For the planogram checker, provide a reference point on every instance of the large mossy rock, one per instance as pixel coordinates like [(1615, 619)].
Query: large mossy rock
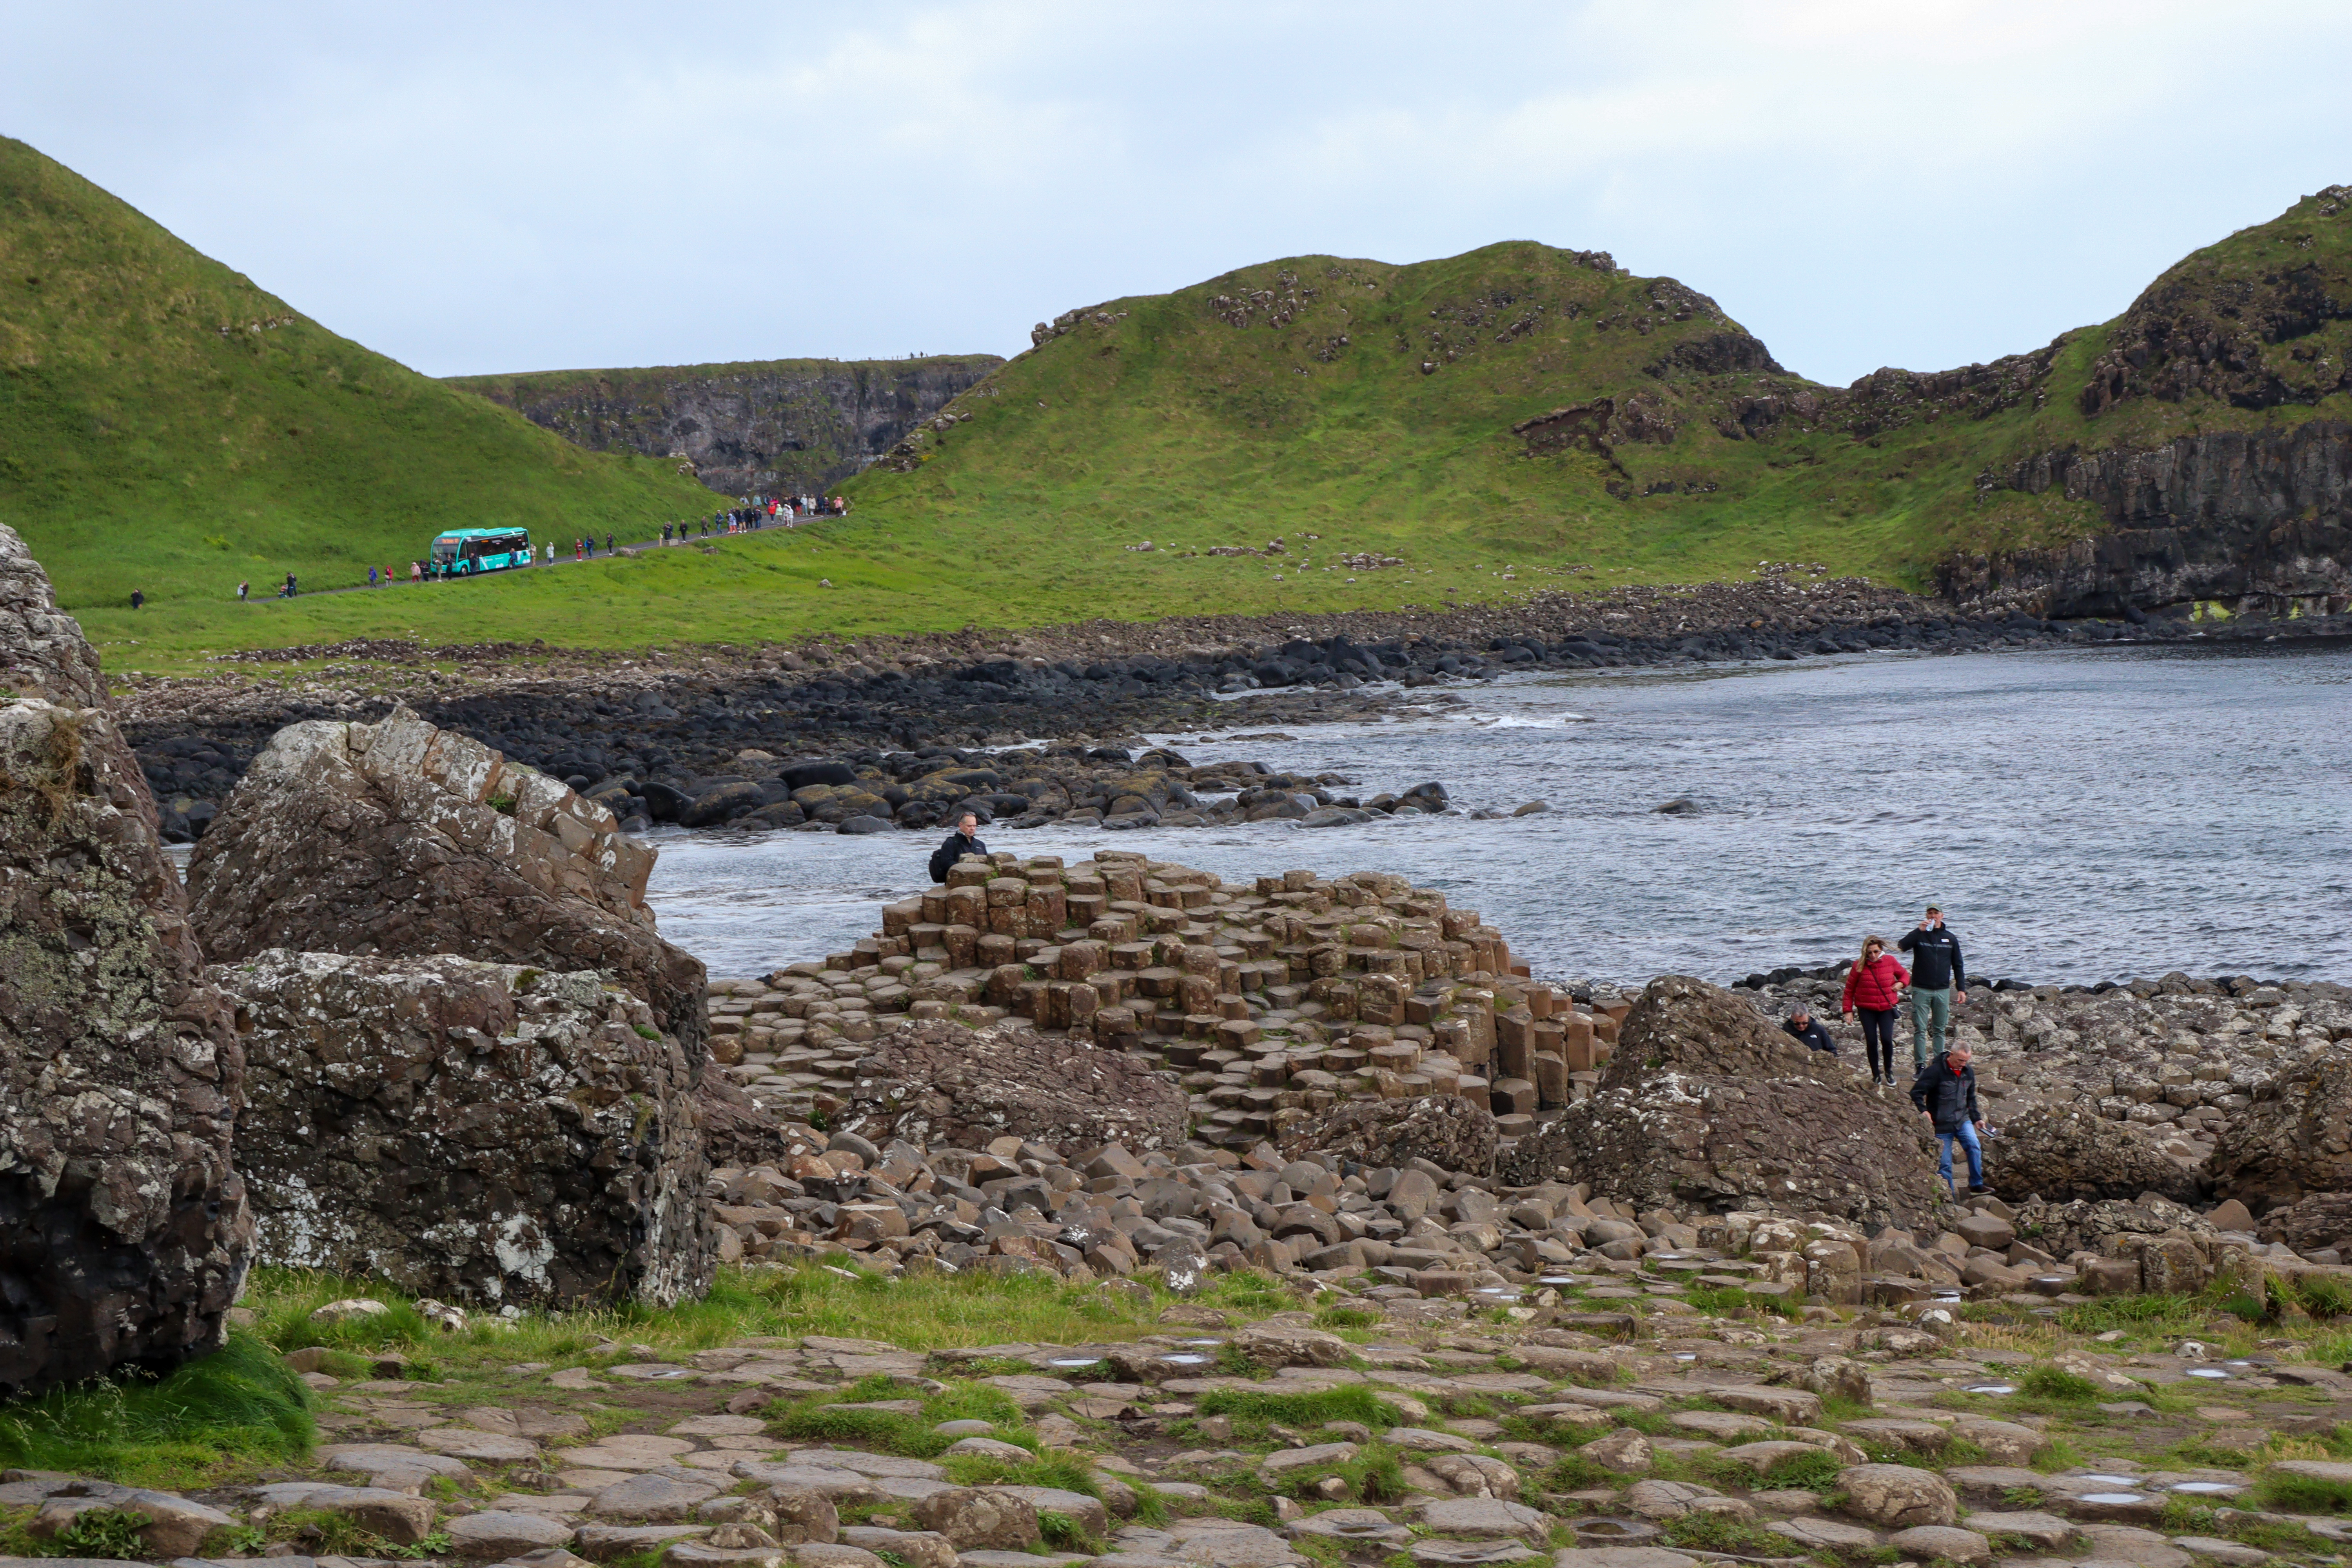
[(124, 1234), (400, 839), (1708, 1106), (478, 1131)]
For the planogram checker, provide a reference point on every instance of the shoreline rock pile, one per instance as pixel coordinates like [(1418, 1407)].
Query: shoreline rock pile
[(1099, 787), (124, 1232), (2130, 1089)]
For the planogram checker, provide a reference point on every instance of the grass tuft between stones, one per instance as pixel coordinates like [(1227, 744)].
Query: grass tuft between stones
[(240, 1404)]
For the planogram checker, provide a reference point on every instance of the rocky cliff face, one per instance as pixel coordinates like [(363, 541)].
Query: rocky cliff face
[(780, 426), (2225, 519), (124, 1234), (2230, 523)]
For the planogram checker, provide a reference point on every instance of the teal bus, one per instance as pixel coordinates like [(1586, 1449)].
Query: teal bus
[(464, 552)]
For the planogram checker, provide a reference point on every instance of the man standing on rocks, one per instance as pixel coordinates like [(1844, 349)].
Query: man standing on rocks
[(1939, 981), (1945, 1092), (963, 841)]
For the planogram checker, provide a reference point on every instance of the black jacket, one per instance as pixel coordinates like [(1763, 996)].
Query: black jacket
[(1813, 1034), (944, 858), (1949, 1096), (1934, 959)]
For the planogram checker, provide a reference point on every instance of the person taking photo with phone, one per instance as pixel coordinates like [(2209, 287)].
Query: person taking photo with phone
[(1939, 979)]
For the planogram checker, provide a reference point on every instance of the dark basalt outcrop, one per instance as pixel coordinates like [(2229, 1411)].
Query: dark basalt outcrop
[(2293, 1138), (943, 1085), (2065, 1153), (2248, 523), (124, 1233), (782, 426), (472, 1131), (1707, 1105)]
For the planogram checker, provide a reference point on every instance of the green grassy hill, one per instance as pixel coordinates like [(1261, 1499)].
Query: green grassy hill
[(167, 425), (1469, 429), (1522, 407)]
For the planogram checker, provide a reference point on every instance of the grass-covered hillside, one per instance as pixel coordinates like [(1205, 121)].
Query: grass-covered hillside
[(1306, 435), (1354, 406), (167, 425)]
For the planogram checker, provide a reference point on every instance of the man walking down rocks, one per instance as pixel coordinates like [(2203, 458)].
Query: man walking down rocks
[(1945, 1092), (963, 841), (1938, 982)]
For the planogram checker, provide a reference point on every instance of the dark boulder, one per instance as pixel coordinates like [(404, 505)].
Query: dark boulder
[(724, 804), (124, 1231), (2295, 1137), (478, 1131), (2065, 1153)]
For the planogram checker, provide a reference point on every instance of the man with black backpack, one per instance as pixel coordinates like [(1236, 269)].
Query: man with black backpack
[(963, 841)]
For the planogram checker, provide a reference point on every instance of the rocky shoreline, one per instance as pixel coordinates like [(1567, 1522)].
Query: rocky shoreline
[(1511, 1265), (696, 722)]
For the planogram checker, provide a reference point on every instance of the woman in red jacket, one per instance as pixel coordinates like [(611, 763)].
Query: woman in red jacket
[(1874, 984)]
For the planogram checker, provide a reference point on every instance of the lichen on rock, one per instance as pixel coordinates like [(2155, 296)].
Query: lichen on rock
[(124, 1234), (482, 1132)]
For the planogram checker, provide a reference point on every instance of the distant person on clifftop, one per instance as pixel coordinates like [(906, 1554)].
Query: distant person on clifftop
[(1939, 981), (1874, 987), (963, 841), (242, 590), (1801, 1024), (1946, 1093), (137, 598), (290, 589)]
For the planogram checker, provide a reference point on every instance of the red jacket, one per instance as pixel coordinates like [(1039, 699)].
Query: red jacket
[(1872, 985)]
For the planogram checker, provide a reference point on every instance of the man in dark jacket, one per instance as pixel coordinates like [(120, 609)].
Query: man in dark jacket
[(1802, 1024), (963, 841), (1946, 1093), (1938, 982)]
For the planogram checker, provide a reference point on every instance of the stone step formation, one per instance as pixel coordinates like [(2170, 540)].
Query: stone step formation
[(1274, 1000)]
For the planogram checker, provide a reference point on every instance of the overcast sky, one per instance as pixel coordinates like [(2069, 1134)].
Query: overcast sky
[(493, 187)]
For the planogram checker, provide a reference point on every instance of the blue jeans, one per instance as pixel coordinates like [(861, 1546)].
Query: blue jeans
[(1929, 1009), (1967, 1139)]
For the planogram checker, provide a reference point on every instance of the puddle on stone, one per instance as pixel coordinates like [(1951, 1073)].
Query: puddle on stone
[(2208, 1488), (2110, 1480), (2208, 1371), (1179, 1358), (2111, 1499), (1990, 1388), (1073, 1361)]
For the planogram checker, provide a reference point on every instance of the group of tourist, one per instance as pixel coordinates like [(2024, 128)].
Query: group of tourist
[(756, 512), (1943, 1084)]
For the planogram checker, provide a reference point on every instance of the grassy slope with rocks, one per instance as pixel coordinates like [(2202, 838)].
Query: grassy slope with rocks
[(1417, 1381), (1374, 406), (165, 425)]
